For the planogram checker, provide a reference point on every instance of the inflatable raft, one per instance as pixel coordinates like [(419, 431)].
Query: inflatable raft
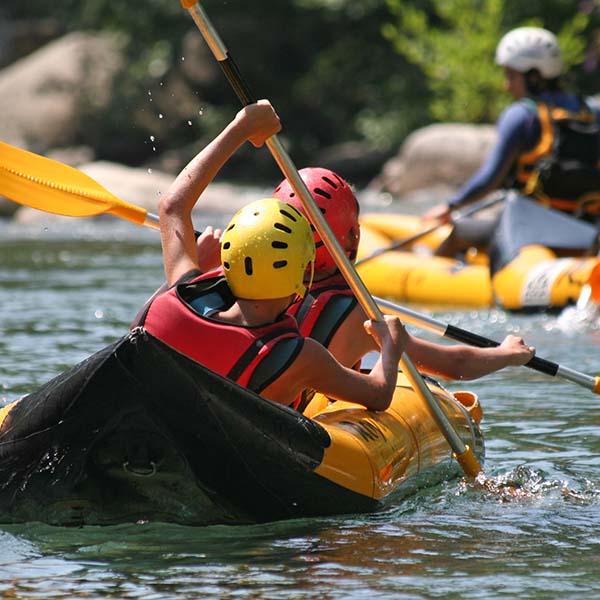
[(139, 432), (538, 259)]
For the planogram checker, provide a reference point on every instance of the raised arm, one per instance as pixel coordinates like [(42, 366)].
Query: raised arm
[(254, 123)]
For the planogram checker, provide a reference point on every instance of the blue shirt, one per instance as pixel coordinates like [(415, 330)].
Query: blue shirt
[(518, 130)]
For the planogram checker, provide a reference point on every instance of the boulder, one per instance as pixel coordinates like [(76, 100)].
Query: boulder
[(439, 154), (46, 96)]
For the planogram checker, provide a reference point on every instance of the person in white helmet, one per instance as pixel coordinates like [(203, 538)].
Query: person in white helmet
[(544, 121)]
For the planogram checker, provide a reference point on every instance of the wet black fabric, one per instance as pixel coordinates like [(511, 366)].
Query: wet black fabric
[(139, 431)]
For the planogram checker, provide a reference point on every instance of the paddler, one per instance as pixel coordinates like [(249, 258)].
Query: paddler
[(330, 313), (548, 144), (234, 321)]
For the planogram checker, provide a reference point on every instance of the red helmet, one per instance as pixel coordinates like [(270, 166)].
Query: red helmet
[(338, 205)]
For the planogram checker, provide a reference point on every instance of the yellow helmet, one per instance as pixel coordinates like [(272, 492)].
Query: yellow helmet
[(266, 250)]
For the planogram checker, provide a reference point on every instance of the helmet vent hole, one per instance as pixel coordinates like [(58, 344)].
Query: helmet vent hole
[(279, 264), (226, 265), (323, 193), (281, 245), (287, 214), (248, 265), (226, 245), (332, 183), (282, 227), (231, 227)]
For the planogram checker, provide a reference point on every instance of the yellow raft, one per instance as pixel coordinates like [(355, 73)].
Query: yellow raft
[(536, 278), (140, 432)]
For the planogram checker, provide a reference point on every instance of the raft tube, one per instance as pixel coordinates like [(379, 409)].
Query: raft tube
[(522, 273), (139, 432)]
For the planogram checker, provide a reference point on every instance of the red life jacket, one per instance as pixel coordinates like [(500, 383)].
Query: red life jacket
[(319, 315), (324, 308), (180, 317)]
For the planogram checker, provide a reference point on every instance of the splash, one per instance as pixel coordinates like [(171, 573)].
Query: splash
[(523, 483), (584, 316)]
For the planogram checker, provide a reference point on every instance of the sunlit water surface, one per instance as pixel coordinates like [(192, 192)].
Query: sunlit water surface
[(69, 289)]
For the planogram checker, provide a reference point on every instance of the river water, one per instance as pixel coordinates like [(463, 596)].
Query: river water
[(70, 287)]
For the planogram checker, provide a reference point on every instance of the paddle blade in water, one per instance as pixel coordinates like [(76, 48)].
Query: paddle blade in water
[(53, 187)]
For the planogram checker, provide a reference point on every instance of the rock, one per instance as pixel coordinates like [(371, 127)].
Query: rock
[(440, 154), (46, 96)]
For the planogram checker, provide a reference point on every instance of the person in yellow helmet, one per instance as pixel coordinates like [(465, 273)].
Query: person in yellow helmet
[(234, 320)]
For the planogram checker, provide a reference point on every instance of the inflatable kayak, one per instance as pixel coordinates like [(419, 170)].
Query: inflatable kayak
[(139, 432), (538, 259)]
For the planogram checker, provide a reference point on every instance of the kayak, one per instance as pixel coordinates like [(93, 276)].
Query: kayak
[(537, 260), (139, 432)]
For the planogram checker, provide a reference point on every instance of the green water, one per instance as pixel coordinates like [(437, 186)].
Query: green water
[(68, 290)]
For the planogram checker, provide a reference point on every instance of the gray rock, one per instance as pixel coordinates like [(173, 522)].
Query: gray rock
[(45, 97), (440, 154)]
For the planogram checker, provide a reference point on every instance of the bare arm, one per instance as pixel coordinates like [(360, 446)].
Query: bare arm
[(317, 368), (351, 343), (468, 362), (254, 123)]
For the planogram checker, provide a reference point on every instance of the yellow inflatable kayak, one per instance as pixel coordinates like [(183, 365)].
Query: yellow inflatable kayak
[(525, 275), (139, 432)]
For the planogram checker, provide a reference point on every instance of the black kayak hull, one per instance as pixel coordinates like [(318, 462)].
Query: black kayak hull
[(139, 432)]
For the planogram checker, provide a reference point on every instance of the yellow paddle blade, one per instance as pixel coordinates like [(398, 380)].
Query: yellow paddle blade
[(53, 187)]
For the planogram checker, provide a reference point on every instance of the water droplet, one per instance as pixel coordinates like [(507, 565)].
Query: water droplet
[(160, 115), (183, 58), (149, 170), (190, 123), (152, 138), (99, 314)]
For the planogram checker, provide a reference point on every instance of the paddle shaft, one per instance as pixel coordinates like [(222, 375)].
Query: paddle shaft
[(462, 452), (472, 339), (467, 212)]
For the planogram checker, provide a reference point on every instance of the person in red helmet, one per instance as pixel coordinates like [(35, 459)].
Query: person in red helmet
[(330, 313)]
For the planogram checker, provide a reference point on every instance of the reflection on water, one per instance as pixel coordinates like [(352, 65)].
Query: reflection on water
[(65, 295)]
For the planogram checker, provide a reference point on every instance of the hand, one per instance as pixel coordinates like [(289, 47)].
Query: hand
[(441, 213), (260, 122), (208, 249), (389, 331), (518, 352)]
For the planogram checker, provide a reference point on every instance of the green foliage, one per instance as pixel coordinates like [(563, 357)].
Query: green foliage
[(324, 64), (454, 42)]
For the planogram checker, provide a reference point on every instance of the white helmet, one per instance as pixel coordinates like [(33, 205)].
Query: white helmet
[(527, 48)]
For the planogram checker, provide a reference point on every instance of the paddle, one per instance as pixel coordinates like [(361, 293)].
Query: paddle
[(54, 187), (478, 206), (472, 339), (464, 455), (55, 182)]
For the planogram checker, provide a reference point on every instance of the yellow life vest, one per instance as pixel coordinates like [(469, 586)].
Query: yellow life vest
[(563, 169)]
